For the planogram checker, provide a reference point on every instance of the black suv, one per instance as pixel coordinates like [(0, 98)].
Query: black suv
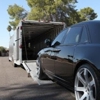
[(73, 59)]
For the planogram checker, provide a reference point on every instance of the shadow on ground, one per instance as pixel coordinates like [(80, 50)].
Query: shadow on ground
[(36, 92)]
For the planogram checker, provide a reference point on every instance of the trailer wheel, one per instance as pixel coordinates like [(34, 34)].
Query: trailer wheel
[(15, 65), (9, 60)]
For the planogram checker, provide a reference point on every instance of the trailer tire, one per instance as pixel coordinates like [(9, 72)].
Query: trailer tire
[(15, 65)]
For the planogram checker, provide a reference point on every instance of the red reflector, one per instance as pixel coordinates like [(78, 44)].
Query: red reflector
[(20, 27), (20, 46)]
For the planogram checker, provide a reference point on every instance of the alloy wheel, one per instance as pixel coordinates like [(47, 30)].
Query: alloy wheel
[(38, 69), (85, 86)]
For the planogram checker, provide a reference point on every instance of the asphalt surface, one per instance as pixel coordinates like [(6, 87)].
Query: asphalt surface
[(15, 85)]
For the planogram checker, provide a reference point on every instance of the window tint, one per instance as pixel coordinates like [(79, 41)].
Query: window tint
[(73, 35), (59, 37), (94, 29), (84, 36)]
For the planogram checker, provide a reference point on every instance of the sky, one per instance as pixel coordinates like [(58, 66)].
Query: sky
[(4, 17)]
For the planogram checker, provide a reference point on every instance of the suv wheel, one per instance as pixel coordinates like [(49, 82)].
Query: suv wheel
[(86, 84), (39, 72)]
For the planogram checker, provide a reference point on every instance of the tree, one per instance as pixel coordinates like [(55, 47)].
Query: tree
[(2, 49), (87, 14), (53, 10), (9, 29), (59, 10), (14, 11), (84, 14)]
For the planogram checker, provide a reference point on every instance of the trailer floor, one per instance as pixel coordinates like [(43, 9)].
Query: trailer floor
[(32, 66)]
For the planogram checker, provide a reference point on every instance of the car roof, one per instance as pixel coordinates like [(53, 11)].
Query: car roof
[(87, 23)]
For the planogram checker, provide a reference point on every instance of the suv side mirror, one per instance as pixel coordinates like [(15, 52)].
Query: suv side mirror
[(56, 43), (47, 42)]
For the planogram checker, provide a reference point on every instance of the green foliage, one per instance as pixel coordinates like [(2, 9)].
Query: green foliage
[(87, 14), (2, 49), (14, 23), (14, 11), (9, 28), (53, 10), (59, 10)]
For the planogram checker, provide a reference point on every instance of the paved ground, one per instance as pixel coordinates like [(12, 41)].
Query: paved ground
[(15, 85)]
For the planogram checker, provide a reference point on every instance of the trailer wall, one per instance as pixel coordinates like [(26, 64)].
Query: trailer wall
[(33, 39)]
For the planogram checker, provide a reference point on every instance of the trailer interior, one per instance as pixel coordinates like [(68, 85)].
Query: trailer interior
[(33, 36)]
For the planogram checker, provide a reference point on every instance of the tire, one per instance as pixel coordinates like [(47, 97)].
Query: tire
[(39, 72), (86, 86), (15, 65)]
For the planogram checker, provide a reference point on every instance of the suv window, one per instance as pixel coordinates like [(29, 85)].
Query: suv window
[(59, 37), (73, 35), (84, 36)]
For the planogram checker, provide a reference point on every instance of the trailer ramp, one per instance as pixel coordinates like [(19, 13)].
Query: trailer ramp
[(31, 67)]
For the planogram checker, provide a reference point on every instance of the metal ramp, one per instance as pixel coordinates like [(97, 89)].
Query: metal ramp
[(30, 67)]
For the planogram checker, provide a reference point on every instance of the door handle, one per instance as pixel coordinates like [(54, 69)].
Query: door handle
[(70, 56), (56, 50), (47, 50)]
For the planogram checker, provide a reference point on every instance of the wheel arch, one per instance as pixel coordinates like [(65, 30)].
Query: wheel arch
[(81, 62), (97, 72)]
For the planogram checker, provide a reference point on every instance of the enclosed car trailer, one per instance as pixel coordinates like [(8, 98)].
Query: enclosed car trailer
[(28, 40)]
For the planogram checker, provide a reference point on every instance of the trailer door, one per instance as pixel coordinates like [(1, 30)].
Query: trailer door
[(17, 44)]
